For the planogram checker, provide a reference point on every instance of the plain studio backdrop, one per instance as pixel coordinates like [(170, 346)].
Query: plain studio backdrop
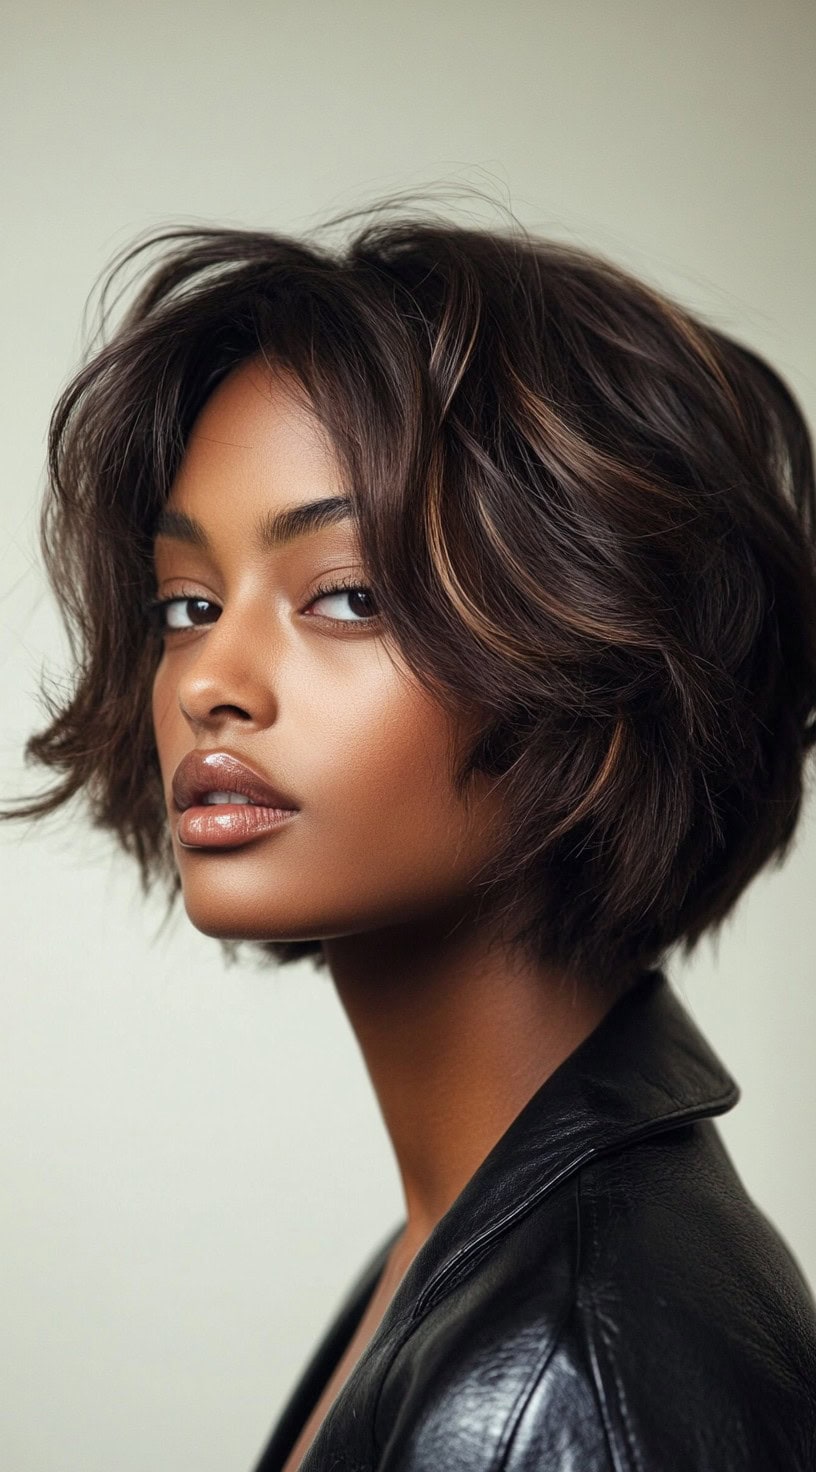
[(194, 1163)]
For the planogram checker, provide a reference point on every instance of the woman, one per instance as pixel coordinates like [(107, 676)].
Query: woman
[(446, 611)]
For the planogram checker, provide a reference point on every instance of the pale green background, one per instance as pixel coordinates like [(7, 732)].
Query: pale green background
[(194, 1165)]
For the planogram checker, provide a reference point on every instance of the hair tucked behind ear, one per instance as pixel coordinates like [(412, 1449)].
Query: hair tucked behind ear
[(587, 514)]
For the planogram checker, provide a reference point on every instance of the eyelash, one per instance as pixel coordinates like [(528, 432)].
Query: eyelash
[(154, 609)]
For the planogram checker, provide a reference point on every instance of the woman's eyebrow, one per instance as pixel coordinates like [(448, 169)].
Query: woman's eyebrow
[(271, 530)]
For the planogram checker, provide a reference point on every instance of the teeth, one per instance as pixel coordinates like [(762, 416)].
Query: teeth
[(225, 797)]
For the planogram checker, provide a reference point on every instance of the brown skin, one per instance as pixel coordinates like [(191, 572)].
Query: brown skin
[(381, 859)]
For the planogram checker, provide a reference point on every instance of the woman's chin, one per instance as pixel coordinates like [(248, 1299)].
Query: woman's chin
[(225, 920)]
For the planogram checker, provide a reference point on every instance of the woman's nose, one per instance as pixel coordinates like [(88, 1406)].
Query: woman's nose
[(230, 673)]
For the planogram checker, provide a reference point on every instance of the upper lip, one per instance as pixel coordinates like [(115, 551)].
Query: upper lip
[(219, 771)]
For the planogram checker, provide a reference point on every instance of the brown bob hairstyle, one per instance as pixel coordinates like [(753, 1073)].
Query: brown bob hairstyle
[(578, 504)]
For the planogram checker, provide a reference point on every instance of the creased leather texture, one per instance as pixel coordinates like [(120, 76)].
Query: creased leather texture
[(602, 1296)]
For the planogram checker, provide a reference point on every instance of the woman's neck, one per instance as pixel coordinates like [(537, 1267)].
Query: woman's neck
[(456, 1037)]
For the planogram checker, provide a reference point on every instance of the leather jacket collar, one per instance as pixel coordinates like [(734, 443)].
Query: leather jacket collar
[(645, 1068)]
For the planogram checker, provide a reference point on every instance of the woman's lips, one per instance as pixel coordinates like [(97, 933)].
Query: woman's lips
[(225, 825), (215, 771)]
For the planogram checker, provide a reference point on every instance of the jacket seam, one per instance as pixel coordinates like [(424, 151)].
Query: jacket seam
[(525, 1396), (535, 1376), (626, 1458)]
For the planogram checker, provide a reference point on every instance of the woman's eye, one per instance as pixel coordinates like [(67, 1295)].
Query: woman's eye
[(167, 615), (187, 611), (359, 599)]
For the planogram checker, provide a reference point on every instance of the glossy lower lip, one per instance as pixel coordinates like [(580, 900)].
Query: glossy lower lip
[(225, 824)]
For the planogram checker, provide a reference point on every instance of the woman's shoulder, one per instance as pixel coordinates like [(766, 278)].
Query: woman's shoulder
[(691, 1318), (670, 1236), (646, 1315)]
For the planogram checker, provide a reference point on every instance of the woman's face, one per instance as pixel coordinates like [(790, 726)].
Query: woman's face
[(308, 692)]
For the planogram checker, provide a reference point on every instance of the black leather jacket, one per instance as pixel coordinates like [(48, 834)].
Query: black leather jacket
[(602, 1296)]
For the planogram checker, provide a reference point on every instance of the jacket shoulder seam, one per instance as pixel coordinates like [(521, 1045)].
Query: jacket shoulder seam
[(625, 1457), (502, 1462)]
